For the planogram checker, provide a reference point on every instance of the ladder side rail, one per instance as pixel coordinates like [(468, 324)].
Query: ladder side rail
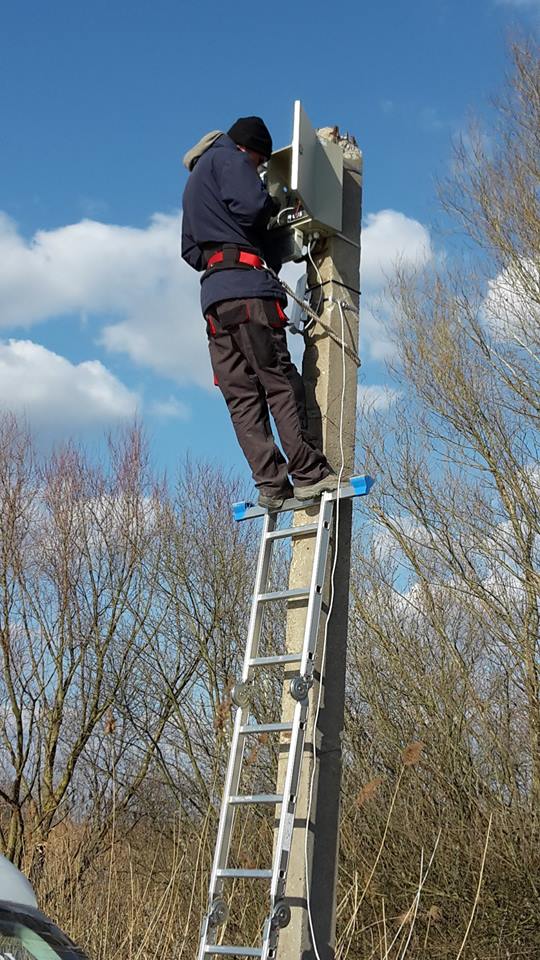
[(268, 941), (225, 828), (204, 940), (227, 811), (282, 847), (257, 611), (320, 559)]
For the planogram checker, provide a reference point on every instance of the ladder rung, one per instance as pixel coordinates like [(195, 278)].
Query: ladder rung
[(269, 661), (257, 798), (233, 951), (301, 531), (245, 874), (257, 728), (297, 593)]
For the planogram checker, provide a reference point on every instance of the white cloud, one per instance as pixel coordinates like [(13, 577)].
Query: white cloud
[(147, 299), (389, 237), (376, 396), (375, 338), (48, 389), (511, 307), (171, 409), (132, 276)]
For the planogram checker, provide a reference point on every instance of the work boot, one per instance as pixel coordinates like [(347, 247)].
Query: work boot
[(274, 499), (327, 484)]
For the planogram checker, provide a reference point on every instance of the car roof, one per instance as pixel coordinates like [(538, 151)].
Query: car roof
[(14, 886)]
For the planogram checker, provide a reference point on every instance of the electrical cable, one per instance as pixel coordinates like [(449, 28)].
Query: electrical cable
[(284, 210), (337, 283), (306, 307), (325, 638), (314, 316)]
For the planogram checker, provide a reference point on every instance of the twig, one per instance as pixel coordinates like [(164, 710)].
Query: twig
[(477, 897), (111, 860), (417, 895), (416, 901), (381, 845)]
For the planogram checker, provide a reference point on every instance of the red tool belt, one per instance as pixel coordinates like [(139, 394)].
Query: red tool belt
[(232, 256)]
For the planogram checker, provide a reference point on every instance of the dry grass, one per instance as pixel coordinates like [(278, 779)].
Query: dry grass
[(411, 884)]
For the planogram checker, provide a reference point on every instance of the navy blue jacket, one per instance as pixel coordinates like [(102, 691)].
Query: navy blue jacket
[(225, 202)]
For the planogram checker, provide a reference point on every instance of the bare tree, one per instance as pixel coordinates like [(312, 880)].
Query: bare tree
[(446, 602), (81, 635)]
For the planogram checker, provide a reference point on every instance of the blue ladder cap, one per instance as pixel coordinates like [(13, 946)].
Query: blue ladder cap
[(361, 485), (240, 509)]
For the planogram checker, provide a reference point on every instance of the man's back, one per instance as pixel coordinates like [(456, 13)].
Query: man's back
[(225, 202)]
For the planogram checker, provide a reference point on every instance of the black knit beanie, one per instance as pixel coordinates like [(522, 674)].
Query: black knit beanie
[(252, 132)]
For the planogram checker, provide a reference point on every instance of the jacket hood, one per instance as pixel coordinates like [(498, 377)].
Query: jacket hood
[(191, 157)]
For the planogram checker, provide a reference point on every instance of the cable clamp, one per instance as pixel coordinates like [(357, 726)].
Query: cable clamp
[(340, 303)]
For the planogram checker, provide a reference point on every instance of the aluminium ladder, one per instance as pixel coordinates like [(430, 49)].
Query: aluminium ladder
[(279, 911)]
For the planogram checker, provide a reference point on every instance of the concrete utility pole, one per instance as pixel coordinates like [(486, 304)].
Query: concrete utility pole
[(338, 260)]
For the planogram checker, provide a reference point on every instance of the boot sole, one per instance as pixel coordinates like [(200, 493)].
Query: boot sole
[(274, 503)]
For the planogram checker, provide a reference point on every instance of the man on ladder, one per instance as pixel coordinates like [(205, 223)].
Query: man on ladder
[(226, 210)]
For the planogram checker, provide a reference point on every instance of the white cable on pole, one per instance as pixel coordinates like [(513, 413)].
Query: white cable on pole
[(282, 211), (330, 608)]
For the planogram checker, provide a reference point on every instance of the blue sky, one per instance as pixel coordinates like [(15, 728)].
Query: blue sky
[(98, 318)]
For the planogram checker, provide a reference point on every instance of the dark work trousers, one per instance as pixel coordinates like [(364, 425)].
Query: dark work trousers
[(254, 371)]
